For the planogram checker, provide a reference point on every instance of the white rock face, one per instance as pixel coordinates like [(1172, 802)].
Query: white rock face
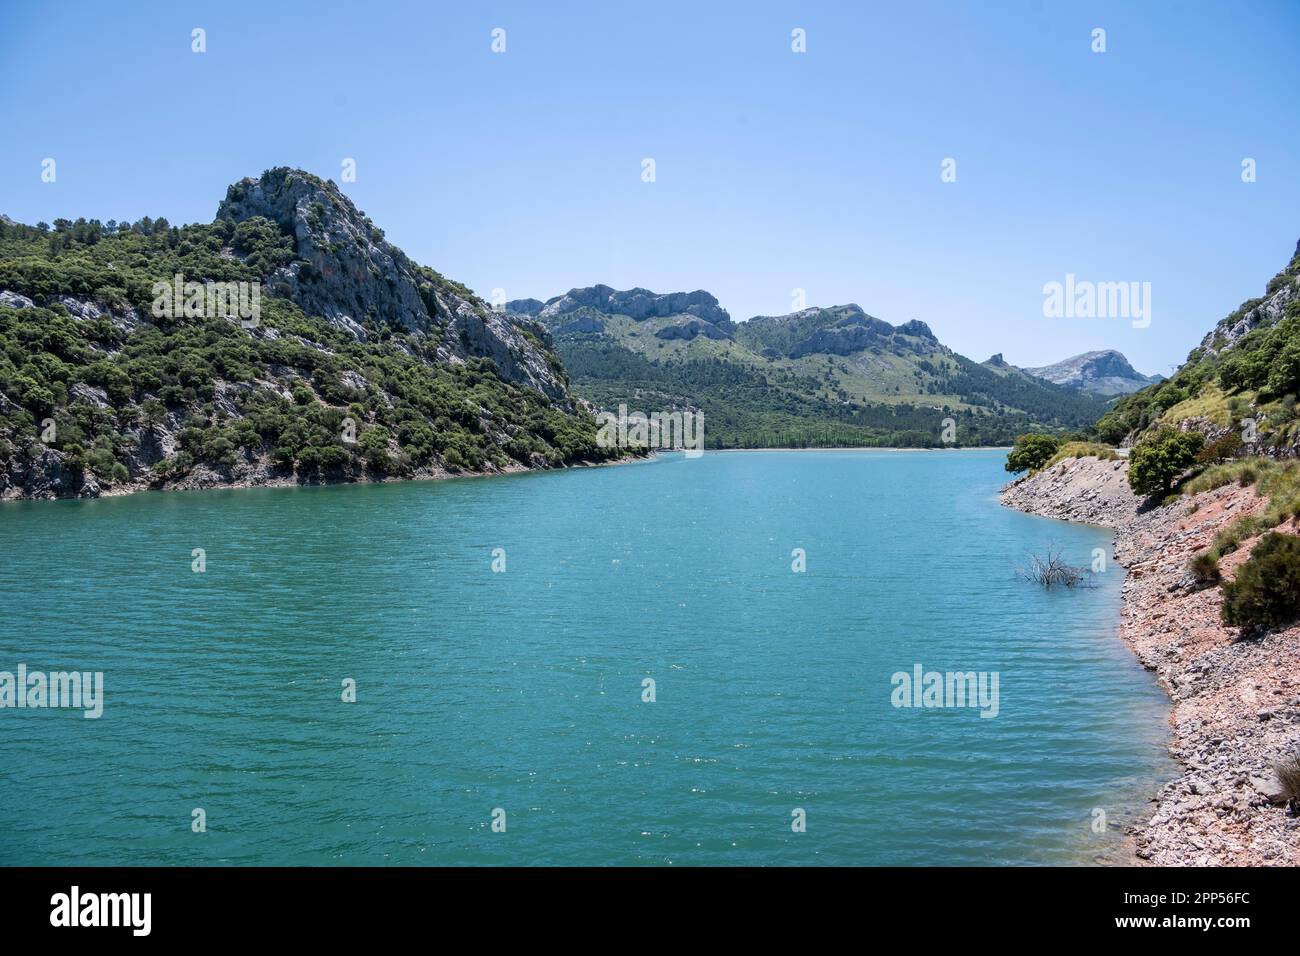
[(347, 272), (15, 301), (638, 304), (1104, 372), (1258, 312)]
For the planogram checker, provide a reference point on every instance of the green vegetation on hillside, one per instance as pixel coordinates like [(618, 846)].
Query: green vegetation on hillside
[(1031, 452), (114, 384), (1082, 449), (1160, 458), (1266, 590), (1226, 382), (1276, 481), (1036, 451), (900, 388), (744, 409)]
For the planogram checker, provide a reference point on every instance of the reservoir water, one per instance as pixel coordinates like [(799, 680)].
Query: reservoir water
[(525, 690)]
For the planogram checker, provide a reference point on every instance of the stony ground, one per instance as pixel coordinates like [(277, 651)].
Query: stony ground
[(1236, 704), (1077, 489)]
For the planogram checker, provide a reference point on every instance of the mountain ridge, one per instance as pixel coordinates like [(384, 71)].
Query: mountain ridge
[(1103, 371), (355, 364), (1238, 387), (835, 373), (345, 268)]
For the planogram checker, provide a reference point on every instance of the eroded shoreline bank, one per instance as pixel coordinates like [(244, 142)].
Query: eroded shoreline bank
[(1236, 704), (206, 479)]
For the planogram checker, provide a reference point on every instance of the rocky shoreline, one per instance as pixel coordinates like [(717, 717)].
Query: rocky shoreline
[(1236, 704), (205, 478)]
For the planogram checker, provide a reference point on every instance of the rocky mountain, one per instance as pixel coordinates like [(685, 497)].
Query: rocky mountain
[(352, 363), (1242, 380), (839, 330), (585, 310), (832, 375), (1261, 313), (1105, 372), (637, 304), (345, 271)]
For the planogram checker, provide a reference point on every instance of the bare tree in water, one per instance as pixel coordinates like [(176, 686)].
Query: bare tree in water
[(1051, 570)]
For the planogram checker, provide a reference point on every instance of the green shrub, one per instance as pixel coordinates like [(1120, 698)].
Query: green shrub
[(1170, 396), (1222, 448), (374, 448), (1204, 568), (454, 460), (1225, 473), (1230, 538), (1031, 452), (102, 463), (1288, 774), (1266, 590), (1161, 457)]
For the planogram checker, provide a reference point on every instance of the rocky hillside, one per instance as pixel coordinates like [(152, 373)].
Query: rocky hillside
[(1241, 380), (346, 272), (820, 376), (359, 364), (1236, 703), (1262, 313), (1105, 373)]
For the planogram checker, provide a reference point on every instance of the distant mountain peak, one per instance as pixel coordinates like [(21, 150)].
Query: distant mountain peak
[(1101, 372), (639, 304), (835, 330), (528, 307)]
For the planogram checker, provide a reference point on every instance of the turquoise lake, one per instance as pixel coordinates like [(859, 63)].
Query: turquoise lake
[(523, 690)]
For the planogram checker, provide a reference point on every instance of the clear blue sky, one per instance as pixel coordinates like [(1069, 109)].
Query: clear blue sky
[(775, 170)]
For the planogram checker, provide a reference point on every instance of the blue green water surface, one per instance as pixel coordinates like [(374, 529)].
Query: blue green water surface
[(523, 690)]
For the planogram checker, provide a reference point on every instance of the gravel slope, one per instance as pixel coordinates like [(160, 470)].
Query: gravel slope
[(1236, 704)]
